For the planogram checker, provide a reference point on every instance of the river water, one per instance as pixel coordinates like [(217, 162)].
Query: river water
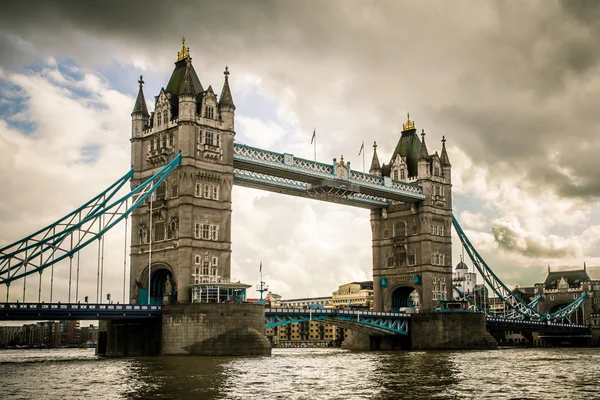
[(63, 374)]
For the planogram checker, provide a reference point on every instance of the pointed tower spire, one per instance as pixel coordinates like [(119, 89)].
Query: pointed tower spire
[(375, 166), (444, 157), (226, 99), (140, 106), (423, 153), (187, 86)]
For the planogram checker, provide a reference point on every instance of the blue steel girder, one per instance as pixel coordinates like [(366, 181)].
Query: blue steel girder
[(65, 237), (276, 184), (319, 175), (566, 312), (374, 322), (279, 320), (492, 280), (525, 310)]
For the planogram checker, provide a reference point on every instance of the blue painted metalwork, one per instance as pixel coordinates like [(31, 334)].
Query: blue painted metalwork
[(259, 180), (68, 235), (566, 312), (536, 325), (524, 310), (381, 322), (503, 292), (318, 176), (86, 311)]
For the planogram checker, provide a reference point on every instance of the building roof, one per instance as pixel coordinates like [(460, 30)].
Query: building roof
[(178, 75), (363, 285), (573, 278), (187, 85), (461, 265), (408, 146)]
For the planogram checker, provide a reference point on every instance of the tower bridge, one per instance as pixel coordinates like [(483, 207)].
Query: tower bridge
[(185, 163)]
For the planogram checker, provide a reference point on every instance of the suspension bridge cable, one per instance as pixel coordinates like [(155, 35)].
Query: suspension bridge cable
[(77, 278), (150, 251), (70, 269), (51, 244), (51, 269), (102, 263), (125, 256)]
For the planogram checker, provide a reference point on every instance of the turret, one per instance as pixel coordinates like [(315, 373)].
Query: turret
[(446, 166), (423, 163), (139, 115), (375, 166), (187, 95), (226, 106)]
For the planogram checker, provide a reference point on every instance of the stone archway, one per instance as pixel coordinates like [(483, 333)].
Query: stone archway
[(163, 288), (403, 296)]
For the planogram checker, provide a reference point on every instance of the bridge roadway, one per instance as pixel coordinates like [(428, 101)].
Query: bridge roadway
[(76, 311), (376, 323), (284, 173)]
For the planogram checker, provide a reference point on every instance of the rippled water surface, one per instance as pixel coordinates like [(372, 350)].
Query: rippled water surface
[(305, 374)]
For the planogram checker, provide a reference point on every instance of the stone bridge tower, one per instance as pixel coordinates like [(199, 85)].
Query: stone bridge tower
[(412, 250), (189, 231)]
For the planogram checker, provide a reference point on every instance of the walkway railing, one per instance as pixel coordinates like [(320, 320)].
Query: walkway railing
[(76, 311)]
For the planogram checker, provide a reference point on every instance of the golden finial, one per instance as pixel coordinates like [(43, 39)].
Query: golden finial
[(185, 51), (409, 124)]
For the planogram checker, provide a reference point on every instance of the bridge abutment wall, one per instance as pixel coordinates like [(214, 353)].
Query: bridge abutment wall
[(450, 331), (129, 338), (214, 330), (360, 341)]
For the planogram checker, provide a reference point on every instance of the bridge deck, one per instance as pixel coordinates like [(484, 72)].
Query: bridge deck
[(76, 311)]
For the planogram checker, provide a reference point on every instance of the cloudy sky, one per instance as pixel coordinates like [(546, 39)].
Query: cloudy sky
[(514, 87)]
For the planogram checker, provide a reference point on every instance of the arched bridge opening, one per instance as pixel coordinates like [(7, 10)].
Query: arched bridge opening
[(404, 299), (163, 289)]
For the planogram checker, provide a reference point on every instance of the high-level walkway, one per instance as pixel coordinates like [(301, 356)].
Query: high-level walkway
[(338, 183)]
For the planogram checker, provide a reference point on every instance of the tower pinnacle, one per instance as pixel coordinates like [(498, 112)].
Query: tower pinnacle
[(444, 156), (423, 153), (409, 125), (226, 99), (375, 166), (140, 106), (185, 52)]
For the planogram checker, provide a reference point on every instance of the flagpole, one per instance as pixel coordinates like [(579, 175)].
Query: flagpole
[(363, 147), (315, 136)]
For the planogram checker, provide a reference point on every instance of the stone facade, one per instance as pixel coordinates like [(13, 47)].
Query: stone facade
[(450, 331), (412, 249), (191, 210), (214, 329)]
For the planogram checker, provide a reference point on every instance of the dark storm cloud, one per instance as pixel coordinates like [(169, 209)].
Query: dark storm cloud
[(512, 84), (520, 242)]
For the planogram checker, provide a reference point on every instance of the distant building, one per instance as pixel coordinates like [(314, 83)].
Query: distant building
[(306, 302), (464, 280), (273, 299), (354, 295), (349, 295), (45, 334)]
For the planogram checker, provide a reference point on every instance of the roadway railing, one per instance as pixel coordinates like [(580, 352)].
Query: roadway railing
[(59, 311)]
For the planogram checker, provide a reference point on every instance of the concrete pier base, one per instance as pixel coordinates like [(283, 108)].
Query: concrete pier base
[(450, 331), (214, 330), (188, 329), (129, 338), (360, 341)]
